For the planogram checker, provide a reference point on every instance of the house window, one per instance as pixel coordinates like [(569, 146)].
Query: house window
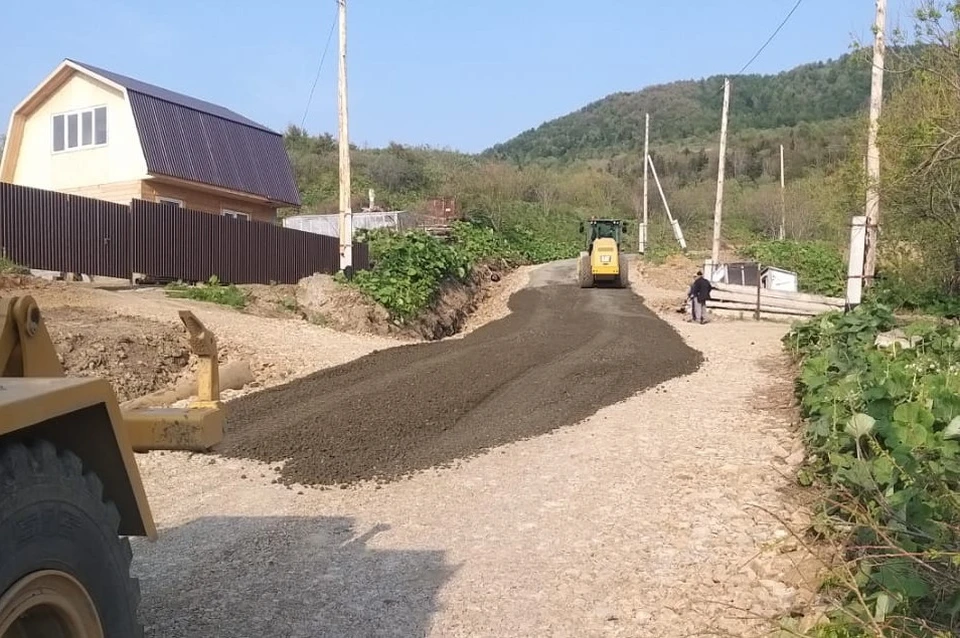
[(234, 214), (80, 129), (170, 201)]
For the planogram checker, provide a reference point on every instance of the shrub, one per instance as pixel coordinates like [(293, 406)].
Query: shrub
[(410, 267), (883, 432)]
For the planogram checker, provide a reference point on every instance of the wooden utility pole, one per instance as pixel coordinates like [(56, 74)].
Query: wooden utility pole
[(677, 231), (646, 152), (718, 210), (873, 152), (783, 200), (346, 214)]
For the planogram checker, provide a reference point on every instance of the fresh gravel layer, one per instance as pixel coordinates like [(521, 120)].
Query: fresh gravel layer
[(560, 356)]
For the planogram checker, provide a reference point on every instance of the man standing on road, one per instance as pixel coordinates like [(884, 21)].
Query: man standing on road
[(699, 294)]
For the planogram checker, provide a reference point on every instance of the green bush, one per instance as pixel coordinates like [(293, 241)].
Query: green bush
[(819, 266), (883, 432), (213, 291), (906, 294), (409, 268)]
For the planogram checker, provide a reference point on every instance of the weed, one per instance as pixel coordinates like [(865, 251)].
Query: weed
[(10, 267), (213, 291), (289, 304)]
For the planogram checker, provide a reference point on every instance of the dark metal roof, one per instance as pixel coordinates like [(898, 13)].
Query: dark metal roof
[(194, 140)]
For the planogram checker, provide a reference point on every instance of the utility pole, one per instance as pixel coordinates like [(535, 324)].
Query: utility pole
[(873, 152), (783, 200), (718, 211), (642, 243), (346, 214)]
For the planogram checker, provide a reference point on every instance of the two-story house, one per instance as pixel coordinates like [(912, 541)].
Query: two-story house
[(96, 133)]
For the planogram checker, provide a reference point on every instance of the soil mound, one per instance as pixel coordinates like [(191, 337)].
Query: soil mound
[(136, 355)]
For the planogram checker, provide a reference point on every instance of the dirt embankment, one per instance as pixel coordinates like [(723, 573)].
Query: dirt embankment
[(321, 300), (561, 355)]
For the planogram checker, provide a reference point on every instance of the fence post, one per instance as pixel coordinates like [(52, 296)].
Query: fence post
[(756, 314), (855, 263)]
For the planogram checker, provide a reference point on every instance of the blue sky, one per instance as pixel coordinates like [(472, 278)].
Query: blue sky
[(460, 74)]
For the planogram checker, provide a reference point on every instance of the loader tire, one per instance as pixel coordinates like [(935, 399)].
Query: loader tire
[(64, 571), (623, 279), (584, 274)]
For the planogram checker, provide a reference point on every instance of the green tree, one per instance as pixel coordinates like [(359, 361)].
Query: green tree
[(920, 143)]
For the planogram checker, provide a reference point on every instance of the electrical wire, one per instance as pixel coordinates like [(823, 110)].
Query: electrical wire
[(323, 57), (769, 40), (772, 36)]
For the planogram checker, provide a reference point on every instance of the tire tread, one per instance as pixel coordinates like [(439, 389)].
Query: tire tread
[(41, 458)]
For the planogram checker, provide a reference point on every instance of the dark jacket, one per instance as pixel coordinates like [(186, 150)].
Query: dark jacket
[(701, 289)]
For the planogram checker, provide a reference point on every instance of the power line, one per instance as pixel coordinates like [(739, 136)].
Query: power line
[(323, 57), (772, 36), (767, 43)]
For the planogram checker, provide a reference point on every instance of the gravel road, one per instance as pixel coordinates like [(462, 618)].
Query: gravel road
[(560, 356), (645, 519)]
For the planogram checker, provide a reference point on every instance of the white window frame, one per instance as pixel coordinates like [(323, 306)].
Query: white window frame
[(170, 200), (226, 212), (92, 110)]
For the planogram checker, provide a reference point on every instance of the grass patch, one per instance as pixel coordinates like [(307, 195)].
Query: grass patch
[(212, 292), (10, 267)]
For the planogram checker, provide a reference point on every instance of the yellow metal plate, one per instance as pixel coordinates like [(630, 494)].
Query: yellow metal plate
[(195, 429)]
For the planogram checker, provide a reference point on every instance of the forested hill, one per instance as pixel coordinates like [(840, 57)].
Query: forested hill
[(690, 109)]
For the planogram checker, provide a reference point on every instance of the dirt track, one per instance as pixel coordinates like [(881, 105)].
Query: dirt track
[(560, 356), (646, 519)]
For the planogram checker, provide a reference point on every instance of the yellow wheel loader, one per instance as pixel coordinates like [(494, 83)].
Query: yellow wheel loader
[(603, 262), (70, 490)]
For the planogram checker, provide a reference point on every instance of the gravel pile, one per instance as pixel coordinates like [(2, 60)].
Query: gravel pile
[(560, 356)]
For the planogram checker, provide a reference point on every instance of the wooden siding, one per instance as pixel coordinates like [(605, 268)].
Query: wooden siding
[(118, 192), (196, 199)]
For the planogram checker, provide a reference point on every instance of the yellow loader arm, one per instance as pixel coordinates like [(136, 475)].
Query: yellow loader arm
[(26, 350)]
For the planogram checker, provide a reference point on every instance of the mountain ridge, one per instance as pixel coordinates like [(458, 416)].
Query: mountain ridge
[(689, 110)]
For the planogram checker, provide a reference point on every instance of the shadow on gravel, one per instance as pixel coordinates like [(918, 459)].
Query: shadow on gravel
[(284, 576), (562, 354)]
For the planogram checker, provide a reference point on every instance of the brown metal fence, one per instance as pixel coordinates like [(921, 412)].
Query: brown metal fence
[(65, 233), (55, 231)]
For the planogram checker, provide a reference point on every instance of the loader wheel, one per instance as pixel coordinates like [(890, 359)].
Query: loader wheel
[(623, 279), (64, 572), (584, 274)]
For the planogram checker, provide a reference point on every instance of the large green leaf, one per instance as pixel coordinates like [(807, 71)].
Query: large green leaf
[(901, 577)]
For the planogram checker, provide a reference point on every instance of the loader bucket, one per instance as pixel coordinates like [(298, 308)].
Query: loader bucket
[(198, 426)]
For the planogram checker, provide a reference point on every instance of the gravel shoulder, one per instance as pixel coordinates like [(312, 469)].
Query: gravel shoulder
[(653, 517)]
